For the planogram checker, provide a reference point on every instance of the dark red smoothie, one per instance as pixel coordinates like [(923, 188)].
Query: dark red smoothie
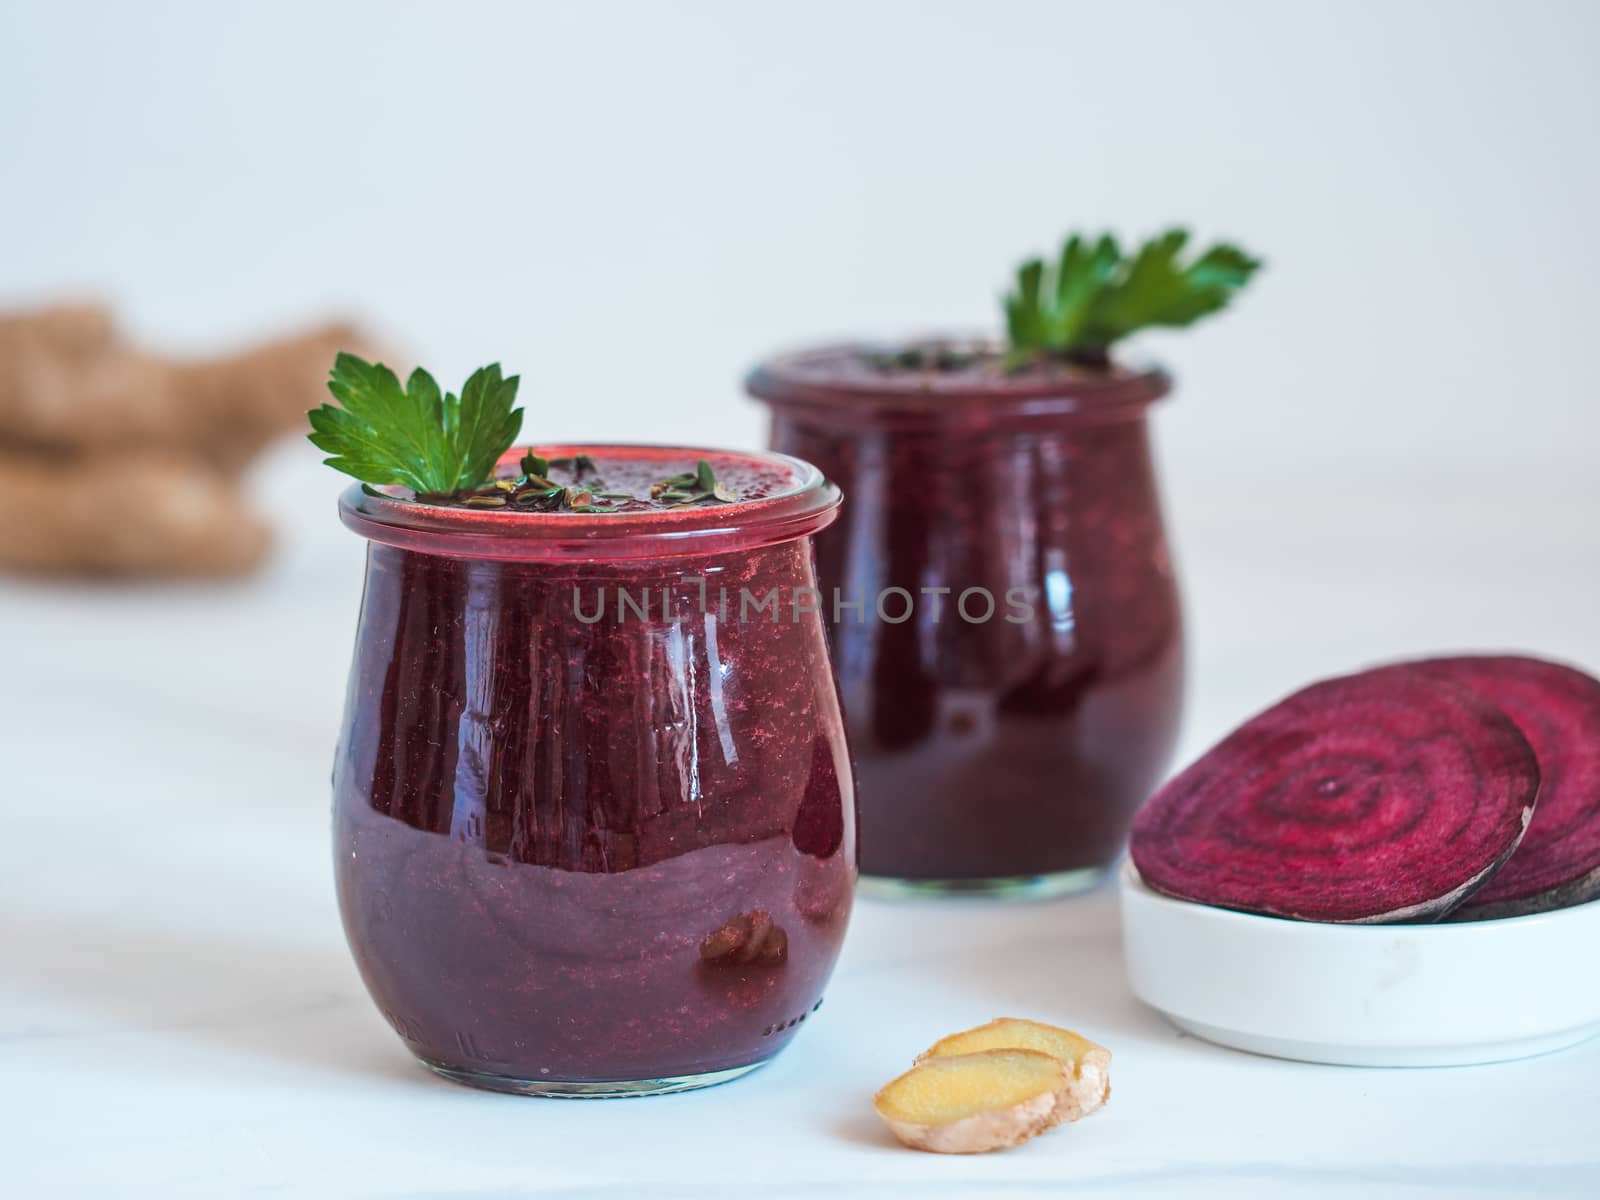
[(593, 811), (1007, 748)]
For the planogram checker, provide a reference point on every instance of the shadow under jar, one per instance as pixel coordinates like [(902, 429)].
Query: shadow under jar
[(594, 822), (1013, 675)]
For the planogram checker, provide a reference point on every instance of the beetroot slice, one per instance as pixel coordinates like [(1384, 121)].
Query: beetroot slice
[(1384, 796), (1558, 711)]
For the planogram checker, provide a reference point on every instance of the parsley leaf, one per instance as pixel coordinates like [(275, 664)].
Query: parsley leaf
[(1094, 295), (436, 445)]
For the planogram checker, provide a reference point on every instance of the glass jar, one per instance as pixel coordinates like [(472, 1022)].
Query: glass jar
[(1007, 628), (594, 818)]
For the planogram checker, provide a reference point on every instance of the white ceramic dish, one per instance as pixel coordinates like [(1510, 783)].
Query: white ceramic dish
[(1366, 995)]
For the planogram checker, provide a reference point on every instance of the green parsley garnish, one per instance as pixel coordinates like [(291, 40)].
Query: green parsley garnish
[(691, 487), (436, 445), (1093, 295)]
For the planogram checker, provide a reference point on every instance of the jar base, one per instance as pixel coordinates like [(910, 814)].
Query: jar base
[(607, 1089), (1007, 887)]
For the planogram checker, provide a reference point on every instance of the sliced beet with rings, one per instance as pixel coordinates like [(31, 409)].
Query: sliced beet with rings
[(1558, 710), (1390, 795)]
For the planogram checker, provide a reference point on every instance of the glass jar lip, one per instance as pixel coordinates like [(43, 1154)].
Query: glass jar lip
[(839, 379), (389, 515)]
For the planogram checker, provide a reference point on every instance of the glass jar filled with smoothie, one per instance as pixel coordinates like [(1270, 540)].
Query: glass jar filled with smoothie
[(1007, 627), (594, 820)]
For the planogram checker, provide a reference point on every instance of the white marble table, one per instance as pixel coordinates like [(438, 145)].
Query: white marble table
[(179, 1017)]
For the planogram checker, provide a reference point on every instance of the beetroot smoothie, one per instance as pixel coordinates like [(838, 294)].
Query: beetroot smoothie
[(1002, 743), (593, 812)]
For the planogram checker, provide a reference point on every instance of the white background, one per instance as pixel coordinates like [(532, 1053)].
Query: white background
[(1388, 447), (628, 203)]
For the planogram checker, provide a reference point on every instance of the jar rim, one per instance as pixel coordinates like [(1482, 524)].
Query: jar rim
[(389, 514), (839, 379)]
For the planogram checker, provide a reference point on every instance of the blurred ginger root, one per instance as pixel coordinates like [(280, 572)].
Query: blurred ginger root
[(115, 461), (155, 512)]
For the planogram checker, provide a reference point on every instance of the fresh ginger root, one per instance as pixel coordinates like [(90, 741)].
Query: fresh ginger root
[(65, 331), (157, 513), (995, 1086), (115, 461), (972, 1103), (66, 382), (1088, 1063)]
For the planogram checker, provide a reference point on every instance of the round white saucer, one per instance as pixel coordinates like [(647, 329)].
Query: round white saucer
[(1366, 995)]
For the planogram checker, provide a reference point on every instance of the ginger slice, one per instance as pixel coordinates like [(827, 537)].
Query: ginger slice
[(971, 1103), (1088, 1063)]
